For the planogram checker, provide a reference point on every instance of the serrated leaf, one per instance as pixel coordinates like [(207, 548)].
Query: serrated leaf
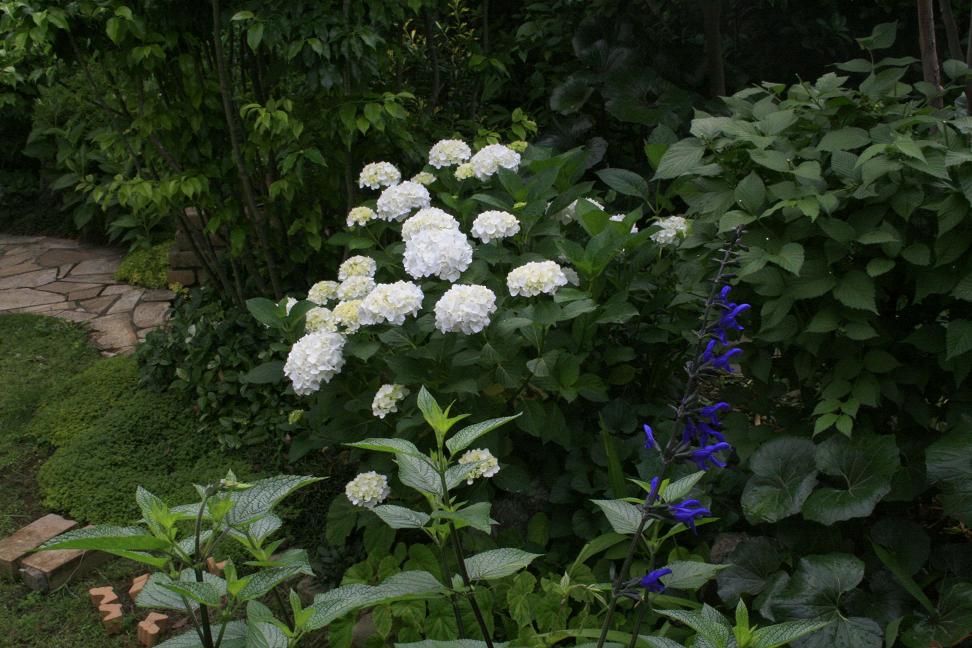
[(393, 446), (625, 182), (465, 437), (706, 625), (782, 634), (680, 158), (234, 636), (291, 563), (262, 495), (451, 643), (266, 373), (680, 488), (856, 290), (750, 193), (474, 515), (204, 593), (498, 563), (158, 594), (752, 564), (418, 473), (690, 574), (958, 338), (107, 538), (624, 517), (404, 585), (949, 463), (399, 517)]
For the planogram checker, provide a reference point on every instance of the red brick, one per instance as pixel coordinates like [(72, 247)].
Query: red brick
[(102, 595), (15, 548), (151, 628), (111, 617), (138, 584)]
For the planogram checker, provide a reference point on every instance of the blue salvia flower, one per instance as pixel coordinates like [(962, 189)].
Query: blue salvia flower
[(700, 432), (706, 455), (717, 360), (653, 493), (652, 580), (711, 412), (686, 512), (650, 443)]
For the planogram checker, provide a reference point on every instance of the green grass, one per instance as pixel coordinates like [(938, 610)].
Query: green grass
[(92, 434)]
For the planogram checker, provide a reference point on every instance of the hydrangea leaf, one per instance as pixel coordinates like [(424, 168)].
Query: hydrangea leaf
[(234, 636), (474, 515), (260, 498), (498, 563), (863, 467), (467, 435), (708, 623), (400, 517), (784, 474), (407, 585)]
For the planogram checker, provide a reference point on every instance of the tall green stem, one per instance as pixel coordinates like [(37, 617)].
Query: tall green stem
[(460, 558), (197, 568)]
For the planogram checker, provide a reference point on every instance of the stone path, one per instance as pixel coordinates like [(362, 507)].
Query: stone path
[(73, 281)]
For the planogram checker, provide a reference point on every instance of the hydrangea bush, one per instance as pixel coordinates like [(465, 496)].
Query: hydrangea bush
[(506, 283)]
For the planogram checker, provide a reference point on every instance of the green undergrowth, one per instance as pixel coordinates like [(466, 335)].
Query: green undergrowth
[(146, 267)]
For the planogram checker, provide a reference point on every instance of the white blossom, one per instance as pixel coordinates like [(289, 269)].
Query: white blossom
[(361, 216), (569, 213), (536, 277), (355, 287), (290, 302), (426, 219), (464, 171), (671, 228), (572, 277), (423, 178), (386, 399), (315, 358), (490, 158), (379, 174), (619, 218), (395, 203), (390, 303), (464, 309), (357, 266), (368, 489), (493, 225), (320, 319), (441, 253), (449, 152), (487, 466), (322, 292), (346, 314)]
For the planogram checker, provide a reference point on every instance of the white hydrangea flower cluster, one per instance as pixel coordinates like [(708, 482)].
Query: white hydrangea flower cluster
[(361, 216), (448, 152), (536, 277), (367, 489), (494, 225), (379, 174), (290, 302), (426, 219), (320, 319), (465, 309), (346, 314), (386, 399), (322, 292), (568, 214), (315, 358), (464, 171), (435, 252), (671, 228), (619, 218), (355, 287), (490, 159), (357, 266), (390, 303), (396, 202), (487, 466), (423, 178), (572, 277)]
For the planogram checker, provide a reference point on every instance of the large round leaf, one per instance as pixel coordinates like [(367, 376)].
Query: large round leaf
[(784, 474)]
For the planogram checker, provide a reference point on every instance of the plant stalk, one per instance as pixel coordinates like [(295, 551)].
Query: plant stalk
[(460, 558)]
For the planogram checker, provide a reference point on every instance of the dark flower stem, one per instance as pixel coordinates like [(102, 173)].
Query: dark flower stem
[(693, 370), (460, 558), (197, 569)]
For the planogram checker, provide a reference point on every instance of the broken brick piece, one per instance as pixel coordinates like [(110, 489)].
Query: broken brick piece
[(102, 595), (138, 584), (215, 568), (16, 547), (48, 570), (111, 617), (151, 628)]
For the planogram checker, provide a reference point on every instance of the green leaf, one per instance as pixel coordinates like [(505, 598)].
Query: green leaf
[(882, 37), (856, 290), (399, 517), (877, 267), (690, 574), (260, 498), (790, 257), (254, 35), (958, 338), (393, 446), (770, 159), (949, 463), (680, 158), (474, 515), (625, 182), (751, 566), (265, 312), (709, 624), (782, 634), (205, 593), (107, 538), (863, 468), (234, 636), (406, 585), (844, 139), (266, 373), (465, 437), (159, 593), (751, 193), (290, 564), (784, 474), (903, 578), (624, 517), (815, 592), (418, 473), (498, 563), (679, 489), (451, 643)]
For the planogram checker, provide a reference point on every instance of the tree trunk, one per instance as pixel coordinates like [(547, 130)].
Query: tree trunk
[(929, 52), (968, 62), (715, 69), (951, 30)]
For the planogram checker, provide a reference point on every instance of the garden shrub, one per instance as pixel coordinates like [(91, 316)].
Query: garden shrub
[(140, 438), (146, 267), (855, 197)]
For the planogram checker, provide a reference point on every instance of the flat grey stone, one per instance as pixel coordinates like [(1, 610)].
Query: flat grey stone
[(20, 268), (24, 297), (69, 286), (75, 315), (117, 289), (127, 301), (60, 256), (114, 332), (150, 314), (158, 294), (30, 279), (97, 305), (87, 293), (96, 267), (13, 239)]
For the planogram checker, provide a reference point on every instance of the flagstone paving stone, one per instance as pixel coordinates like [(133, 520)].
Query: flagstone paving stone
[(71, 280)]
